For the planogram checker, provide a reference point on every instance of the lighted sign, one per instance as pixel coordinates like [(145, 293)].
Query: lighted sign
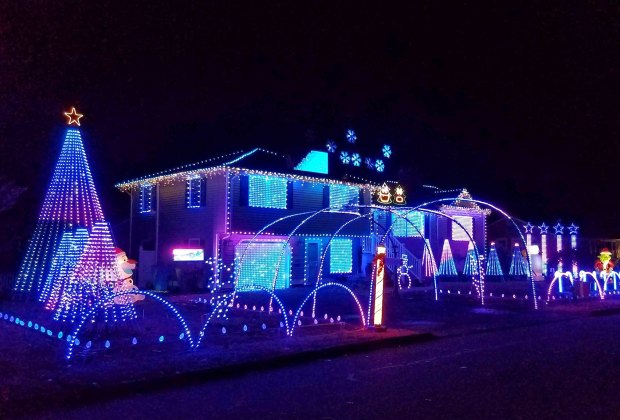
[(188, 254)]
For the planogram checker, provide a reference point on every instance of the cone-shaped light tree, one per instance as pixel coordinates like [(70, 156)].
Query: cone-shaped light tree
[(428, 261), (518, 266), (494, 268), (446, 265), (471, 266)]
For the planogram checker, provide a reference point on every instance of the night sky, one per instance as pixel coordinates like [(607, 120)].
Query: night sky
[(518, 103)]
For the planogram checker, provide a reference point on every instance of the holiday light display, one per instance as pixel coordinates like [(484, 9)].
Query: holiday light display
[(195, 193), (428, 261), (379, 165), (345, 157), (471, 265), (351, 136), (70, 202), (370, 163), (494, 268), (384, 196), (543, 247), (528, 235), (356, 159), (342, 195), (315, 161), (572, 230), (73, 117), (331, 146), (387, 150), (93, 280), (558, 244), (267, 192), (518, 265), (379, 273), (399, 196), (446, 264), (341, 256), (603, 262), (262, 262)]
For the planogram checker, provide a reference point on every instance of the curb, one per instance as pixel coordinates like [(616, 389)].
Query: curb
[(81, 395)]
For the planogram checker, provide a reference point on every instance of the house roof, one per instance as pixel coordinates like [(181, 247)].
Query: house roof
[(258, 160)]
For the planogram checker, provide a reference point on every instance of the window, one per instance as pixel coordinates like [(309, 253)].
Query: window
[(260, 260), (406, 224), (147, 198), (267, 191), (341, 256), (195, 195), (458, 234), (343, 195)]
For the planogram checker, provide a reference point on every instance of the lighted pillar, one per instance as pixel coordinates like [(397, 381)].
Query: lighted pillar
[(572, 229), (543, 247), (379, 275), (558, 243)]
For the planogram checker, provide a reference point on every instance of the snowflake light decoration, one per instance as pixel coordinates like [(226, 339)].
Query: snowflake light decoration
[(379, 165), (351, 136), (370, 163), (331, 146), (356, 159), (387, 150), (345, 158)]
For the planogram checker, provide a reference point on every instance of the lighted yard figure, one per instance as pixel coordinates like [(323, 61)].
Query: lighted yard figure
[(518, 266), (384, 196), (603, 263), (379, 274), (70, 202), (403, 271), (125, 283), (399, 196), (446, 264)]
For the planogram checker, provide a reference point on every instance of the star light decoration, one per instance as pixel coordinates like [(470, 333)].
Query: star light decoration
[(558, 228), (351, 136), (543, 229), (331, 146), (345, 158), (387, 150), (74, 117), (356, 159), (573, 228), (528, 227)]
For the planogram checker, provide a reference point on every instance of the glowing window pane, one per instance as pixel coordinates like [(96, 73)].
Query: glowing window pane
[(341, 256), (195, 193), (458, 234), (406, 225), (259, 264), (343, 195), (147, 202), (267, 191)]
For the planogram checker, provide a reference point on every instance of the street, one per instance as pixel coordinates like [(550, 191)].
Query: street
[(565, 369)]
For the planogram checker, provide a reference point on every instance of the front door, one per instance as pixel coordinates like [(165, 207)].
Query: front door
[(312, 261)]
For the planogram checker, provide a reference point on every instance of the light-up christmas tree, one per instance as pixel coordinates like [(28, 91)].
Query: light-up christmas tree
[(494, 268), (518, 266), (446, 265), (471, 267), (70, 202), (428, 261), (70, 261)]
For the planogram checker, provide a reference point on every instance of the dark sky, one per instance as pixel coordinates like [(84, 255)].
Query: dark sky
[(519, 103)]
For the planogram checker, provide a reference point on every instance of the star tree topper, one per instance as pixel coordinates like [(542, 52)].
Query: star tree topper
[(74, 117)]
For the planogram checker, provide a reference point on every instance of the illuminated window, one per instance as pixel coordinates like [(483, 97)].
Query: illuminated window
[(267, 191), (406, 225), (458, 234), (343, 195), (341, 256), (260, 260), (147, 198), (195, 194)]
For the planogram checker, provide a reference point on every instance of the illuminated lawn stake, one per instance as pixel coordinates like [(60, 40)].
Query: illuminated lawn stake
[(379, 276)]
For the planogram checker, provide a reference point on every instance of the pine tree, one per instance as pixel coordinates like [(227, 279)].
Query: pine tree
[(446, 265)]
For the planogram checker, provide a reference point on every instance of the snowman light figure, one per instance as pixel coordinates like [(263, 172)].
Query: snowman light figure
[(124, 283), (403, 271)]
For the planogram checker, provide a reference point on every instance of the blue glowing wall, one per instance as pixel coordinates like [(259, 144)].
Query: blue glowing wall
[(341, 256), (343, 195), (196, 193), (147, 198), (258, 266), (267, 191), (406, 225)]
